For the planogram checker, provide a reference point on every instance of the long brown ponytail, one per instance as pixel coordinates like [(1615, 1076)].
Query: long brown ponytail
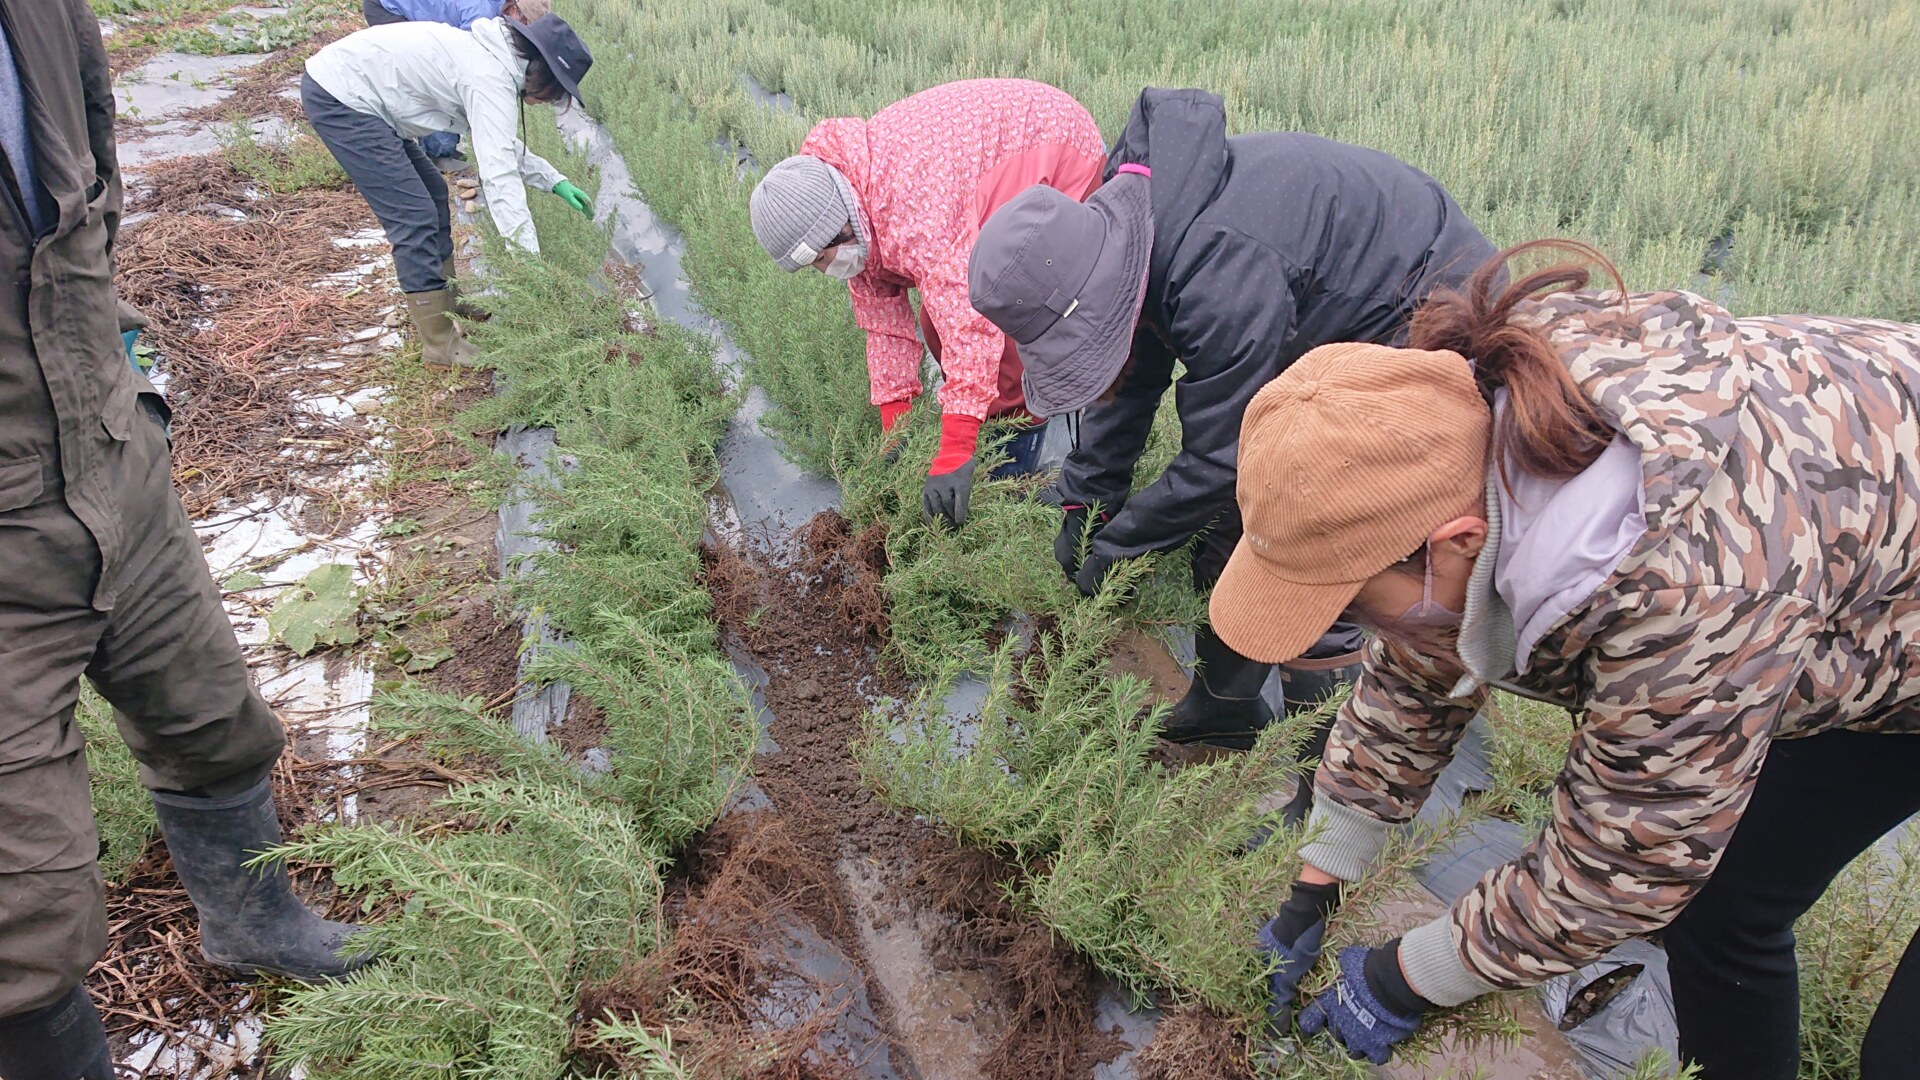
[(1549, 427)]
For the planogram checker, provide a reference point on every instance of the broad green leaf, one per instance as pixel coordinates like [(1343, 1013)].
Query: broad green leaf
[(324, 609)]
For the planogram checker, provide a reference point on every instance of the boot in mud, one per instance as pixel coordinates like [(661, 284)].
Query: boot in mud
[(442, 345), (249, 918), (1223, 707), (1306, 683), (461, 306), (61, 1041)]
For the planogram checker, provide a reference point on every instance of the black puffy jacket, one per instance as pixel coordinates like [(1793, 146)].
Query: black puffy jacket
[(1265, 246)]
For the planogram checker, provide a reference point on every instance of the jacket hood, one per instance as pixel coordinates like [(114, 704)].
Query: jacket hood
[(1182, 136), (1670, 371), (492, 36), (842, 142)]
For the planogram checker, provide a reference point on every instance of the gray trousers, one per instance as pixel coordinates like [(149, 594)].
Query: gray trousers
[(377, 15), (398, 180)]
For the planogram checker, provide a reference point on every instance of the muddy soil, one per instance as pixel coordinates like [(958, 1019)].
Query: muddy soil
[(964, 985)]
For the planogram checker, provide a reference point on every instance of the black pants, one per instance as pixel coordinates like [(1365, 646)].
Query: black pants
[(398, 180), (1819, 803), (376, 15)]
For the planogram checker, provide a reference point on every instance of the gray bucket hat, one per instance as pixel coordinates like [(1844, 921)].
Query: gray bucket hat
[(1065, 281)]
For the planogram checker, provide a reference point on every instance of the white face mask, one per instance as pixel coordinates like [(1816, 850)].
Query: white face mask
[(847, 262)]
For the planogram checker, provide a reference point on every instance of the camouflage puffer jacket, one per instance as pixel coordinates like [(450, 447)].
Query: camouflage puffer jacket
[(1775, 593)]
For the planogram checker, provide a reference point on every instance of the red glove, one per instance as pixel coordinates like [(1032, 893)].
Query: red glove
[(959, 437), (891, 412)]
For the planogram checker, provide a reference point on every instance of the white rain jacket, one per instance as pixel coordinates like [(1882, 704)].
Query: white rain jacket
[(423, 77)]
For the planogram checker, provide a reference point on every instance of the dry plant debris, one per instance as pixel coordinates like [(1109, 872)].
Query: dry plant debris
[(246, 291)]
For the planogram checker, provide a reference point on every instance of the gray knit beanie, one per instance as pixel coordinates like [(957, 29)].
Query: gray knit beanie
[(799, 207)]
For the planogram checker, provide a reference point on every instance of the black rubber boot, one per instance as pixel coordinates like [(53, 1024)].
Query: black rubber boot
[(249, 919), (1223, 707), (1305, 689), (61, 1041)]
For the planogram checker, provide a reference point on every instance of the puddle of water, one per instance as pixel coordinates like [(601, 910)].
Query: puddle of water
[(937, 1014), (1138, 653), (1134, 1029), (755, 678), (770, 495)]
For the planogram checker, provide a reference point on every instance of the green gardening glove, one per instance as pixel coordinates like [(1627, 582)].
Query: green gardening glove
[(574, 197)]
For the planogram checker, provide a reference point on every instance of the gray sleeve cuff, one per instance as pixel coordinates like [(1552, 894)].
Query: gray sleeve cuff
[(1434, 968), (1345, 841)]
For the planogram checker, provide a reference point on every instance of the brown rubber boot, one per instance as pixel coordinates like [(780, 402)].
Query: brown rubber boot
[(460, 305), (442, 345)]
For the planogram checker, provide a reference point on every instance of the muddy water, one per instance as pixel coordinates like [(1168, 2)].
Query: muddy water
[(1141, 654), (939, 1014)]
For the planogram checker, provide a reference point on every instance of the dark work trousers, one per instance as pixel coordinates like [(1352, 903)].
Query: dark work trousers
[(398, 180), (377, 15), (164, 656), (1819, 802)]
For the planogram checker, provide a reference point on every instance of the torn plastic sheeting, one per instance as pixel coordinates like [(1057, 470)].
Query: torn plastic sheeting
[(532, 449), (1640, 1017), (1637, 1018)]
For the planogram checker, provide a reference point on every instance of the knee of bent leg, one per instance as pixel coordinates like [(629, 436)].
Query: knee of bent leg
[(1725, 932), (53, 926)]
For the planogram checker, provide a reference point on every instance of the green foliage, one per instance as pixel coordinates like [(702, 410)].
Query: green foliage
[(324, 609), (1530, 740), (121, 809), (1154, 875), (295, 163), (546, 875), (502, 922), (1849, 944)]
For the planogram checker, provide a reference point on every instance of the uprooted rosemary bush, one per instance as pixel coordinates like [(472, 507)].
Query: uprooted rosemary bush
[(518, 889)]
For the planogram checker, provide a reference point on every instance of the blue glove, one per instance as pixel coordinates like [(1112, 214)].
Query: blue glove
[(1291, 962), (1291, 942), (1353, 1011), (127, 338)]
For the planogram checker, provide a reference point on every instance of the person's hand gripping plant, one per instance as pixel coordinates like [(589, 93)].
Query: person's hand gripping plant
[(574, 197), (1291, 942)]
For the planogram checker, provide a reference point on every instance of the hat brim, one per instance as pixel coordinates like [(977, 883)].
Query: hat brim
[(1264, 617), (1064, 371), (567, 82)]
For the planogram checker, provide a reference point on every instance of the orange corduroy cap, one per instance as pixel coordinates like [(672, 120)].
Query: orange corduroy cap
[(1348, 462)]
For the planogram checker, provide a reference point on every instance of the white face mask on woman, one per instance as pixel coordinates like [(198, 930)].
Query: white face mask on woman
[(847, 262)]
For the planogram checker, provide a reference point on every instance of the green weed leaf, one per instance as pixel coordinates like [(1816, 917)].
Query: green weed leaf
[(324, 609)]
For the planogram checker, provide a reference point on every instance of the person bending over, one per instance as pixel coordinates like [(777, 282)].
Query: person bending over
[(371, 94), (894, 203), (1233, 256), (1694, 532)]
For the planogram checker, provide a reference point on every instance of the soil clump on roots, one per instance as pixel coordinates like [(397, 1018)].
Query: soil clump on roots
[(968, 984)]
